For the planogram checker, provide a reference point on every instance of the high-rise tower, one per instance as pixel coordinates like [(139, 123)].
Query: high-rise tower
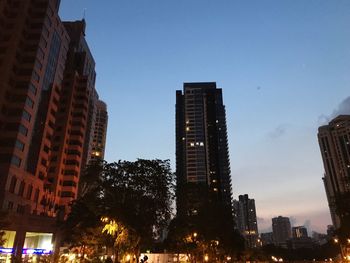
[(334, 140), (282, 231), (246, 222), (100, 131), (47, 106), (202, 157)]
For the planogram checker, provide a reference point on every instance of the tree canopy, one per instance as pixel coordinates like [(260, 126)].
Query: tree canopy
[(136, 195)]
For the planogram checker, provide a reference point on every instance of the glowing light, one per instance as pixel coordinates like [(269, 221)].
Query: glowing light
[(128, 257), (206, 258)]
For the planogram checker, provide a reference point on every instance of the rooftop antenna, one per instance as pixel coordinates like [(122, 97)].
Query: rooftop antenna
[(84, 13)]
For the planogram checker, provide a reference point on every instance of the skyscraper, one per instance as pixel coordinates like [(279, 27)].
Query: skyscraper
[(281, 229), (202, 157), (334, 141), (246, 222), (100, 131), (47, 90)]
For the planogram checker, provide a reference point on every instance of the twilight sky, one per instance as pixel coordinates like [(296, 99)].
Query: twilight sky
[(284, 67)]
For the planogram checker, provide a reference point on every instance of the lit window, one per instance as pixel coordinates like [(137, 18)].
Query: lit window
[(201, 143), (191, 144), (215, 189), (187, 128)]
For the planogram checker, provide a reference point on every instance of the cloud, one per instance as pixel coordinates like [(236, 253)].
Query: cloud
[(342, 109), (278, 132)]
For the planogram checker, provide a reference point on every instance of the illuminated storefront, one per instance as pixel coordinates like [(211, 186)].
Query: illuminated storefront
[(35, 245)]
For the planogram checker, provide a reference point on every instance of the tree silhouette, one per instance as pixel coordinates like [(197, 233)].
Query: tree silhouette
[(137, 195)]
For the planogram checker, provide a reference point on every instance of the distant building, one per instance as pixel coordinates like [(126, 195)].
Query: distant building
[(301, 242), (100, 131), (281, 229), (266, 238), (300, 238), (246, 222), (299, 232), (320, 239), (334, 141)]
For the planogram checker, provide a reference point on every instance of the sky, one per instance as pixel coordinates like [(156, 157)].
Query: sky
[(284, 67)]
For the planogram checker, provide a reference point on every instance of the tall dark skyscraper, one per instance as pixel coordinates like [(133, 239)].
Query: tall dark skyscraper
[(202, 156), (334, 140), (246, 222)]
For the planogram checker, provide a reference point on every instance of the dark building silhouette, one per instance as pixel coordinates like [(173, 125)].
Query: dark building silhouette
[(47, 114), (202, 160), (266, 238), (334, 141), (245, 217), (299, 232), (281, 229), (300, 238)]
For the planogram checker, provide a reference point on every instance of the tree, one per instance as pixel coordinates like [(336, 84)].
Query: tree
[(342, 202), (212, 223), (137, 195)]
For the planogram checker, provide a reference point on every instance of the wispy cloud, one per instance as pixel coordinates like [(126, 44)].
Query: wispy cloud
[(343, 108), (278, 132)]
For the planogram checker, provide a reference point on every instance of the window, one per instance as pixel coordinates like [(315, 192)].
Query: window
[(67, 194), (26, 115), (44, 162), (41, 53), (13, 184), (36, 196), (23, 130), (35, 76), (21, 188), (16, 161), (38, 65), (10, 205), (46, 149), (20, 209), (29, 102), (32, 88), (69, 183), (29, 192), (19, 145)]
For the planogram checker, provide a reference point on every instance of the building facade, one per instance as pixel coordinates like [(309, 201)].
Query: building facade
[(266, 239), (281, 229), (334, 141), (47, 94), (100, 131), (246, 221), (202, 160), (299, 232)]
